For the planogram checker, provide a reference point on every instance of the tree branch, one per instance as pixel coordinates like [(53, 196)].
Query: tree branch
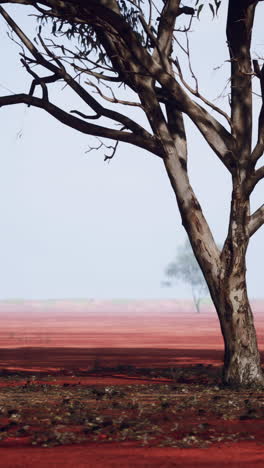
[(84, 116), (113, 99), (42, 81), (151, 144), (259, 174), (177, 131), (216, 135), (256, 220), (196, 93), (255, 178), (170, 12), (109, 24), (107, 157), (173, 140), (60, 71), (97, 75), (218, 138), (239, 30)]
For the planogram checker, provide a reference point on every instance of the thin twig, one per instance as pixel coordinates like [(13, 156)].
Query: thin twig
[(196, 93), (107, 157), (114, 99)]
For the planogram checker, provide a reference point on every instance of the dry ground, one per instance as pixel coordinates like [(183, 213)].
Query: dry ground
[(153, 405)]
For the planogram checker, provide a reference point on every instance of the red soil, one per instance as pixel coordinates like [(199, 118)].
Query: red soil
[(128, 455), (80, 336), (89, 358)]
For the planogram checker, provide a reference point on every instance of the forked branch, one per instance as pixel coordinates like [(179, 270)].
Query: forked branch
[(113, 99), (170, 12), (60, 72), (129, 56), (113, 148), (151, 144), (197, 93)]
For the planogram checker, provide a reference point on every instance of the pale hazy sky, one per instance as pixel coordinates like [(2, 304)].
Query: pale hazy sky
[(73, 226)]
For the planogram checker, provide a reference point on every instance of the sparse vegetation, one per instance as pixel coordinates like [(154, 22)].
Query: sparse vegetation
[(190, 410)]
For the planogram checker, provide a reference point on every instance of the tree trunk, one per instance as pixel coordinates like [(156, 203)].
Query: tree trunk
[(224, 271), (241, 358), (229, 293)]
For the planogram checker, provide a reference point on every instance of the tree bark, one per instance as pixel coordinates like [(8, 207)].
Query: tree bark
[(241, 358), (225, 272), (225, 275)]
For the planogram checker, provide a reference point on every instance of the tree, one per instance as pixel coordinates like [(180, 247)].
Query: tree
[(134, 43), (185, 268)]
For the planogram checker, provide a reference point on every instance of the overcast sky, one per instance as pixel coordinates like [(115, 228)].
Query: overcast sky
[(73, 226)]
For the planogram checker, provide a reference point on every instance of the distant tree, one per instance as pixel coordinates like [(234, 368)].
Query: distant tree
[(185, 268)]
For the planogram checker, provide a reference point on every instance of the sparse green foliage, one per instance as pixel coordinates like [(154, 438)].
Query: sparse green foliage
[(214, 7)]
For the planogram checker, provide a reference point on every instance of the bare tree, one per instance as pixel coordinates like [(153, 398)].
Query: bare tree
[(185, 268), (134, 43)]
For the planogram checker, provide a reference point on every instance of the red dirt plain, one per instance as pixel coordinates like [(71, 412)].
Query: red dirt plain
[(54, 336)]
